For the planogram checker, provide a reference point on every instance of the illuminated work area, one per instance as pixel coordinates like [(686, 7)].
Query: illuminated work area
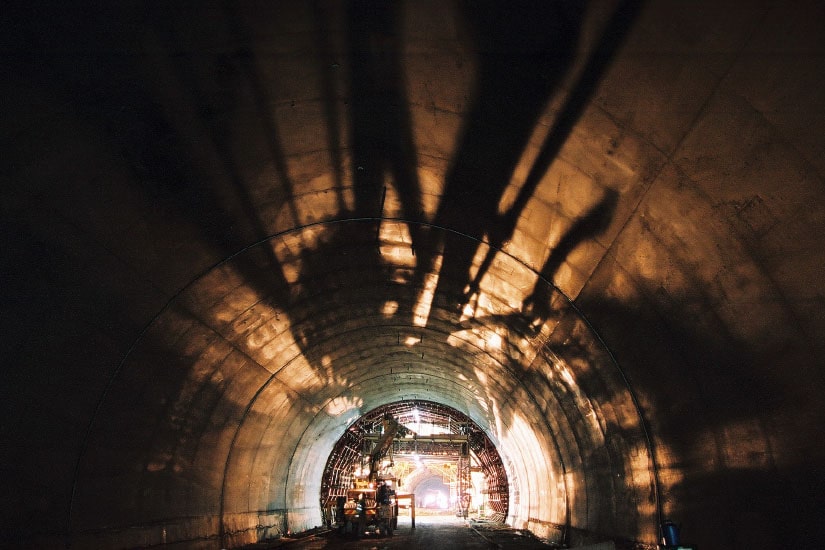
[(434, 453), (573, 249)]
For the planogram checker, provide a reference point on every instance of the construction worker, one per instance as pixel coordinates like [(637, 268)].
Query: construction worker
[(382, 494)]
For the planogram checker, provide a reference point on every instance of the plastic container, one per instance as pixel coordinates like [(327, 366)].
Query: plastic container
[(670, 531)]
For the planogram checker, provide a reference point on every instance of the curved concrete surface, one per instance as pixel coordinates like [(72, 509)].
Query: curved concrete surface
[(231, 229)]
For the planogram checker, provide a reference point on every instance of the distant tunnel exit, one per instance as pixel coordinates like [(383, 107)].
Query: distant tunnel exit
[(437, 454)]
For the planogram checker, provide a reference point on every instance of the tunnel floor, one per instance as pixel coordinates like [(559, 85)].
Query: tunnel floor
[(430, 532)]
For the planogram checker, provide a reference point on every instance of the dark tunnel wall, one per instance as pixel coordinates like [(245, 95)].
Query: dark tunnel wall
[(231, 229)]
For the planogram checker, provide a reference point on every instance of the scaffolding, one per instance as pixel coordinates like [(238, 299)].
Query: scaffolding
[(436, 433)]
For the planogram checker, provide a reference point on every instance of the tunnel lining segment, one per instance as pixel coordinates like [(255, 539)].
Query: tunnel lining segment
[(524, 380)]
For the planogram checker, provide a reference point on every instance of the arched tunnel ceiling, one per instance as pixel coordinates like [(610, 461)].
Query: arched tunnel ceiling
[(231, 229)]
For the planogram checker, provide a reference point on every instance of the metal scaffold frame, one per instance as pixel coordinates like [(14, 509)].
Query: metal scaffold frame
[(433, 433)]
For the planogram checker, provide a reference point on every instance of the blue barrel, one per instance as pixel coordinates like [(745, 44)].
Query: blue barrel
[(671, 533)]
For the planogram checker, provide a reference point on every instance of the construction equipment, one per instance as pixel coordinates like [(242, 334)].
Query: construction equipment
[(371, 510), (390, 429), (371, 506)]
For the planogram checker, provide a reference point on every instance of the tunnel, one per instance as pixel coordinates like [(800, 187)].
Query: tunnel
[(591, 231), (435, 457)]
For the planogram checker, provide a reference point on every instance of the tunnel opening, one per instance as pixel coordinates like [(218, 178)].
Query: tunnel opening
[(440, 459), (551, 426)]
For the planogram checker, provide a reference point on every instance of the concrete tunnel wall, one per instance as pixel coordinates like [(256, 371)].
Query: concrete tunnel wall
[(231, 229), (260, 396)]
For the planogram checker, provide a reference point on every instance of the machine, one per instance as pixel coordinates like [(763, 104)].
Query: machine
[(370, 505)]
